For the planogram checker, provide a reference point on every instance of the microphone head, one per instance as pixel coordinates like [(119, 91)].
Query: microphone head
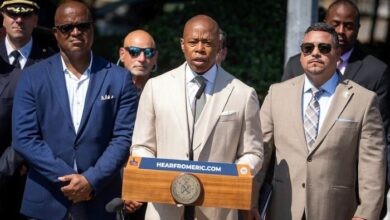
[(114, 205)]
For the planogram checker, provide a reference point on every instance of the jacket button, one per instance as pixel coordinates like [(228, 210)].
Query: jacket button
[(303, 185)]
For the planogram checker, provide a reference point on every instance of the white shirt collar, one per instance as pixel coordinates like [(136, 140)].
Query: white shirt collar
[(87, 71), (24, 51), (210, 74)]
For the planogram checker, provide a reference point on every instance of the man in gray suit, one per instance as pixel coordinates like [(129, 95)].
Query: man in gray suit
[(168, 124), (328, 139)]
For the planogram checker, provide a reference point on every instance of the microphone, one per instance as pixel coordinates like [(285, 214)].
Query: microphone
[(116, 205)]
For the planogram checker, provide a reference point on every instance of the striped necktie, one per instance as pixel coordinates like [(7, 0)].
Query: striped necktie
[(311, 118)]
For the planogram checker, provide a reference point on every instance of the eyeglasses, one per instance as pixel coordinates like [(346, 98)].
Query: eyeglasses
[(136, 51), (307, 48), (67, 28)]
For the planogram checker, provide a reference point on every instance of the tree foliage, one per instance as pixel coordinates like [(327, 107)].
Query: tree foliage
[(255, 31)]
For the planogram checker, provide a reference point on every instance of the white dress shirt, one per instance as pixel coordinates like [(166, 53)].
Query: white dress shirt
[(77, 91), (192, 86), (324, 100), (24, 52)]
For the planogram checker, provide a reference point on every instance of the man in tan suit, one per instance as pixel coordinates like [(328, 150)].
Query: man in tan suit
[(329, 147), (228, 127)]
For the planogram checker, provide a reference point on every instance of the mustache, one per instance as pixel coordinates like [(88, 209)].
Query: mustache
[(140, 65), (318, 60)]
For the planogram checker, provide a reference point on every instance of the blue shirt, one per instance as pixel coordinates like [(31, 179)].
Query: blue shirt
[(325, 99)]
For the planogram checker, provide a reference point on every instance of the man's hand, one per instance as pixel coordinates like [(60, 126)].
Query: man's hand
[(251, 214), (78, 188), (132, 206)]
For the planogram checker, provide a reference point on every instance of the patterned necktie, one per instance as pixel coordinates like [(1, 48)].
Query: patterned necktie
[(311, 118), (15, 54), (202, 100), (341, 64)]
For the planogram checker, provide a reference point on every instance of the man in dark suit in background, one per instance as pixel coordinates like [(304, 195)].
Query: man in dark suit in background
[(356, 65), (19, 18), (72, 121)]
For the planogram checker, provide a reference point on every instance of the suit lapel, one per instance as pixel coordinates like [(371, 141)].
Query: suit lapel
[(3, 51), (295, 103), (57, 78), (213, 109), (340, 100), (3, 62), (33, 55), (3, 83), (178, 95), (353, 66), (97, 76)]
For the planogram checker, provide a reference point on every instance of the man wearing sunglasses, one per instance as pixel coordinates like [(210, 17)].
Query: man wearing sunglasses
[(356, 65), (362, 68), (170, 125), (139, 56), (17, 51), (328, 139), (73, 119)]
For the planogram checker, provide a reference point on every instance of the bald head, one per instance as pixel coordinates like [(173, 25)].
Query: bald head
[(139, 38), (71, 7), (201, 20), (200, 43), (140, 63)]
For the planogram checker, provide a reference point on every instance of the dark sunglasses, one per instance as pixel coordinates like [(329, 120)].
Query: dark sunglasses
[(67, 28), (136, 51), (307, 48)]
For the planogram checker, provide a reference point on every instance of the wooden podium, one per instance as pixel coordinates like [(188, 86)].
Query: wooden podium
[(223, 185)]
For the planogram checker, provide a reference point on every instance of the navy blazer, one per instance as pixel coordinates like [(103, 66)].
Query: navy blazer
[(44, 135)]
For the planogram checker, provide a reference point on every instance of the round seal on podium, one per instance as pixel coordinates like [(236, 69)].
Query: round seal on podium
[(186, 189)]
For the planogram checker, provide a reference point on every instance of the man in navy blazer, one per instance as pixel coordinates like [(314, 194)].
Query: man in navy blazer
[(72, 121)]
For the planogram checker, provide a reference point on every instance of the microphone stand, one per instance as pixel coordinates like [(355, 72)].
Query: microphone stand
[(189, 211)]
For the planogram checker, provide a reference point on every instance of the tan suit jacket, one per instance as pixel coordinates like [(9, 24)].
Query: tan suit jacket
[(344, 175), (228, 130)]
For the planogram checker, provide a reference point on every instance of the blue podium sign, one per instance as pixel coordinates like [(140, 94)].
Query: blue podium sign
[(226, 169)]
